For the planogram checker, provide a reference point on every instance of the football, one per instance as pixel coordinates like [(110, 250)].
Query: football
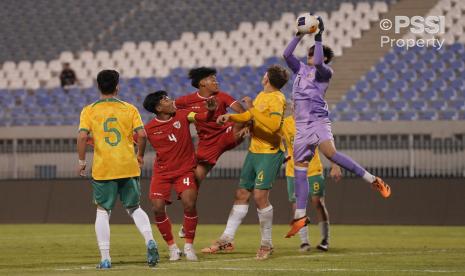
[(307, 24)]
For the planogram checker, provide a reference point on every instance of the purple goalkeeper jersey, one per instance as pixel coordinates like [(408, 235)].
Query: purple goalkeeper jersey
[(310, 84)]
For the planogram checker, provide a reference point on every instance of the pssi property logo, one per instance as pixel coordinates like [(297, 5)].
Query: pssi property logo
[(431, 25)]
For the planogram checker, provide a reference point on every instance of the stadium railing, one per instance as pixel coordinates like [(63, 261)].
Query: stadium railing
[(393, 155)]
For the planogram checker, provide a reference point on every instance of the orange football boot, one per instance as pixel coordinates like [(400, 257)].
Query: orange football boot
[(382, 187), (296, 225)]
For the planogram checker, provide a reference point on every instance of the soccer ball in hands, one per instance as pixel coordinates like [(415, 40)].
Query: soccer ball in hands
[(307, 24)]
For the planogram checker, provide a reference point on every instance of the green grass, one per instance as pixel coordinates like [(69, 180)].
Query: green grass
[(355, 250)]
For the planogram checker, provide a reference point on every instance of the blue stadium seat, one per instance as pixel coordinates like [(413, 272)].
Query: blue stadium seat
[(388, 115), (348, 116), (430, 94), (371, 76), (419, 85), (458, 65), (342, 106), (409, 95), (362, 85), (429, 75), (418, 105), (371, 95), (427, 115), (448, 114), (381, 67), (381, 85), (437, 104), (439, 65), (368, 116), (439, 84), (420, 67), (399, 105), (407, 115), (391, 95), (381, 105), (457, 104), (400, 85), (351, 94), (360, 105), (448, 94)]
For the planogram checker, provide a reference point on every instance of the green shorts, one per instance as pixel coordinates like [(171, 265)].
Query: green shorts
[(260, 170), (105, 192), (316, 183)]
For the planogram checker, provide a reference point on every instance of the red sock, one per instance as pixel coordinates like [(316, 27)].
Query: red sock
[(164, 226), (190, 224)]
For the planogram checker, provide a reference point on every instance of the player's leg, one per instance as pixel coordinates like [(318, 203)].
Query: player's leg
[(208, 152), (303, 153), (268, 167), (201, 171), (239, 209), (317, 191), (160, 191), (104, 194), (303, 232), (186, 189), (328, 148), (129, 190)]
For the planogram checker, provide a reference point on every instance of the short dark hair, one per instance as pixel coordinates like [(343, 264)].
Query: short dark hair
[(152, 100), (107, 80), (328, 53), (277, 75), (198, 74)]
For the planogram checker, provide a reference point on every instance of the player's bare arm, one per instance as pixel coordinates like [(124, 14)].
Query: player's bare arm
[(335, 172), (81, 147), (141, 144)]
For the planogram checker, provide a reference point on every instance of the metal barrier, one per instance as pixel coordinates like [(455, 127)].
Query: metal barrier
[(403, 155)]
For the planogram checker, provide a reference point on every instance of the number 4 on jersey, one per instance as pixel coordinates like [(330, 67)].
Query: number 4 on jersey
[(172, 138), (186, 181)]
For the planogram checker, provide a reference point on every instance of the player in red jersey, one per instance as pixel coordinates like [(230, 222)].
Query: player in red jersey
[(174, 165), (214, 139)]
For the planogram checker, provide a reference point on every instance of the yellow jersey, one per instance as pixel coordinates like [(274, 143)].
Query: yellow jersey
[(112, 123), (315, 167), (269, 104)]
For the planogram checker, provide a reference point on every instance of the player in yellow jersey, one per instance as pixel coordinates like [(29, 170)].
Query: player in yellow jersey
[(263, 161), (317, 186), (115, 167)]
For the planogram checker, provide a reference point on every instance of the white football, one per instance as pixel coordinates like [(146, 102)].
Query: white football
[(307, 24)]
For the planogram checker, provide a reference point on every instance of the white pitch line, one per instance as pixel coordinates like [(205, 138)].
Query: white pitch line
[(319, 255)]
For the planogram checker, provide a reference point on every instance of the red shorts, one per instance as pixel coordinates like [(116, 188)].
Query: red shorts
[(209, 151), (160, 185)]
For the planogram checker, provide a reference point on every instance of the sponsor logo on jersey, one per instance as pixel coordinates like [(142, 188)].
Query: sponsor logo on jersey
[(158, 133), (177, 124)]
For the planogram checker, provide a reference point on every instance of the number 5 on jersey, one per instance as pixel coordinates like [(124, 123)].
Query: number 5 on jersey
[(172, 138)]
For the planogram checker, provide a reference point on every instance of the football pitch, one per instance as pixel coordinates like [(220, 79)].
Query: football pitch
[(66, 249)]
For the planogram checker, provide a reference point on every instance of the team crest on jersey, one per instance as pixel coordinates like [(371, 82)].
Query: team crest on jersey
[(177, 124), (311, 75)]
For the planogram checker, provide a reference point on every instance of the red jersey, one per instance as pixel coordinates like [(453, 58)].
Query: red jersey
[(196, 103), (173, 145)]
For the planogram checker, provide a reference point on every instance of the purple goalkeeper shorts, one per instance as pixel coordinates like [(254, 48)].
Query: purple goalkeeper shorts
[(309, 136)]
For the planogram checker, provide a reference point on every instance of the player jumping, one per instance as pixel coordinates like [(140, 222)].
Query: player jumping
[(317, 187), (115, 168), (214, 139), (175, 163), (313, 124), (263, 161)]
